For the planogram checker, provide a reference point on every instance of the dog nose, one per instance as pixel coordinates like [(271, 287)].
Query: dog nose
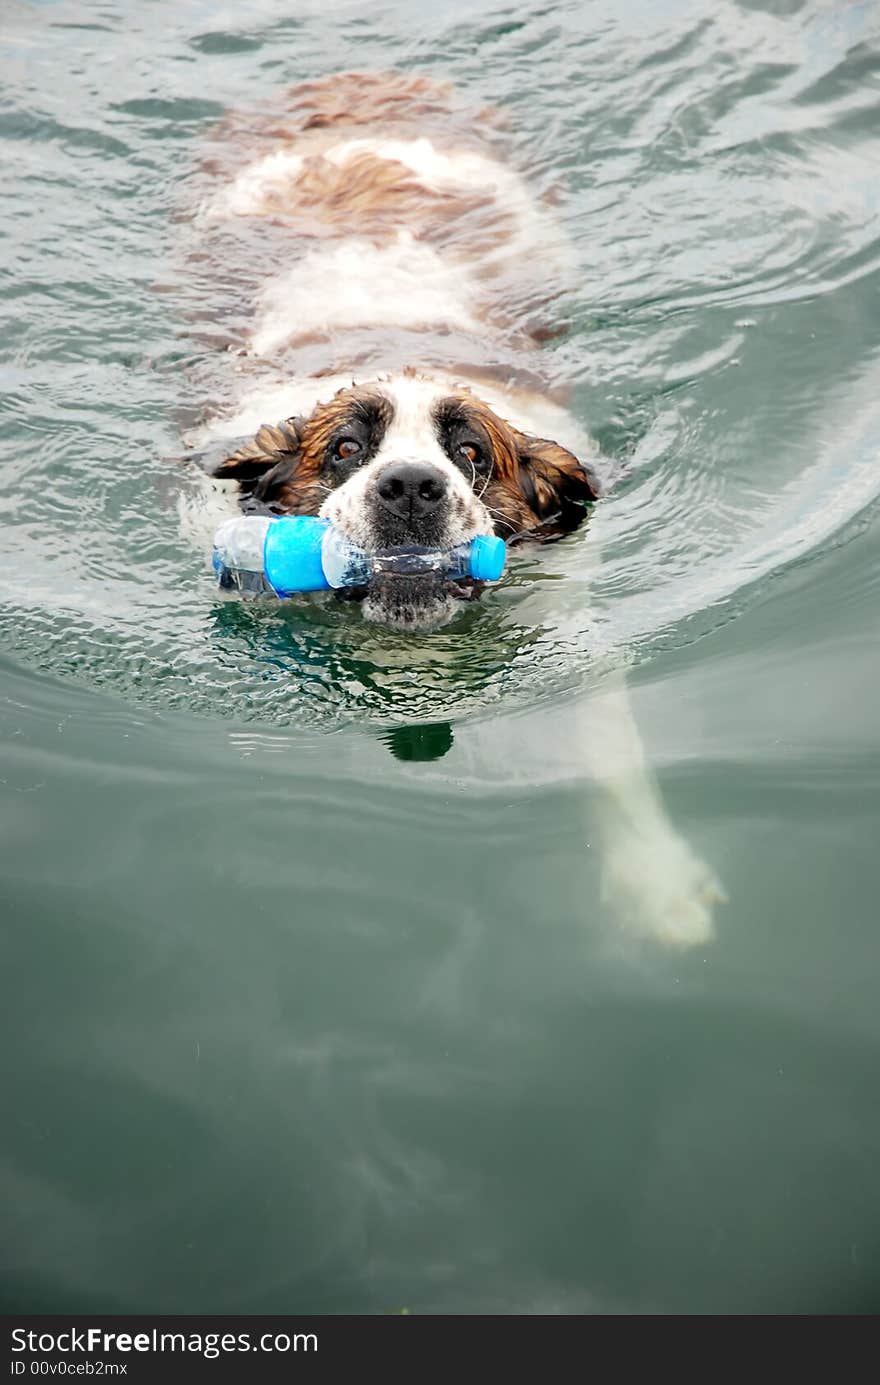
[(411, 489)]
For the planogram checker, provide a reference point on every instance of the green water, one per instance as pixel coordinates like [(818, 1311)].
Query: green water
[(313, 999)]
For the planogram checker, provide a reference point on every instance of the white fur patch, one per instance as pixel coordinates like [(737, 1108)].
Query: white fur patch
[(411, 436), (260, 186), (202, 506), (405, 284)]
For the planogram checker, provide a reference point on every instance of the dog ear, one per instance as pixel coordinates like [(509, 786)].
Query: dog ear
[(556, 485), (272, 445), (261, 464)]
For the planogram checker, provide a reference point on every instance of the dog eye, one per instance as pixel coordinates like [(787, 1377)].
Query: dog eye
[(347, 447), (471, 453)]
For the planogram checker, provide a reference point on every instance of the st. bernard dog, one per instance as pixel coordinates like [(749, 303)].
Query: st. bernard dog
[(393, 280)]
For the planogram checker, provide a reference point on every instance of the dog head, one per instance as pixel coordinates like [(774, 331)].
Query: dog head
[(409, 460)]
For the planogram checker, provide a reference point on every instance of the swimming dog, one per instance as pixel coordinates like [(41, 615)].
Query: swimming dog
[(396, 279)]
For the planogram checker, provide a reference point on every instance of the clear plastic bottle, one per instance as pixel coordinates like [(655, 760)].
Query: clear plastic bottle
[(298, 553)]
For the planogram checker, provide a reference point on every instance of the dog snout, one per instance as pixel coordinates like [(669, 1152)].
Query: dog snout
[(411, 490)]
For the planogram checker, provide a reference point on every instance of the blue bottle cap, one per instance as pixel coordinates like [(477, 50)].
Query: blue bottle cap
[(292, 554), (488, 555)]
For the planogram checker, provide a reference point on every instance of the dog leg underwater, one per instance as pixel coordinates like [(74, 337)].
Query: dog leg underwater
[(652, 880)]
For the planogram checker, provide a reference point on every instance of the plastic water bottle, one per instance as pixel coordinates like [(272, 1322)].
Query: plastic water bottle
[(299, 553)]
